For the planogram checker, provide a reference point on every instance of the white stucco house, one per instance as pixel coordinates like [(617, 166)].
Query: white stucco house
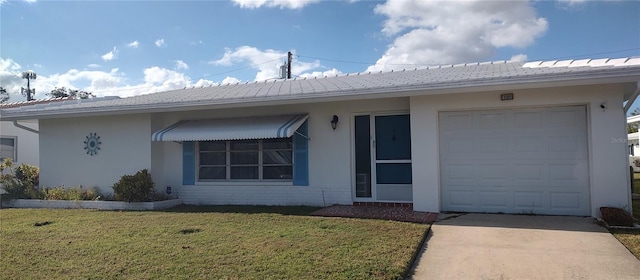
[(509, 137), (19, 139)]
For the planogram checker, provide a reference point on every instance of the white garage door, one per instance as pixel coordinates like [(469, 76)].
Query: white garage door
[(515, 161)]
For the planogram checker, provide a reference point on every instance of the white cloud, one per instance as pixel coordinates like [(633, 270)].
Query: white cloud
[(164, 77), (519, 58), (449, 32), (181, 65), (101, 83), (93, 65), (572, 2), (9, 65), (10, 78), (110, 55), (267, 62), (156, 79), (135, 44), (160, 43), (282, 4), (204, 83), (230, 80), (319, 74)]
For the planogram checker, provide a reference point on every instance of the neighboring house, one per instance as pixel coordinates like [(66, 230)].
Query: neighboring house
[(19, 139), (633, 143), (504, 137)]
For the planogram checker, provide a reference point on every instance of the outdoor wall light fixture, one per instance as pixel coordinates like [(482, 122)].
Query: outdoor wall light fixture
[(334, 122)]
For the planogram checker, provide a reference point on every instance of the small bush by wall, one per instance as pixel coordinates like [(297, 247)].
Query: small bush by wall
[(135, 188), (63, 193), (21, 182)]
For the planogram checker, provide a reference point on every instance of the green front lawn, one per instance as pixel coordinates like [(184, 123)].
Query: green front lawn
[(202, 243), (630, 238)]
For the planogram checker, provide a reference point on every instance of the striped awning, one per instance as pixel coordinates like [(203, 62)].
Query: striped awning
[(231, 129)]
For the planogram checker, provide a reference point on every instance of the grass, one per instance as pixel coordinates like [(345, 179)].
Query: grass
[(630, 238), (202, 243)]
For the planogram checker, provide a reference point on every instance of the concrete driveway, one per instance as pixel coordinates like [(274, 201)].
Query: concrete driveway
[(491, 246)]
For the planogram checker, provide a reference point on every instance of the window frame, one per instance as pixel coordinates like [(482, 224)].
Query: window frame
[(260, 164), (15, 147)]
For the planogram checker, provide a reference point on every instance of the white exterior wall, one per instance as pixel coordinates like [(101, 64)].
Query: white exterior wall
[(330, 153), (125, 149), (27, 141), (608, 157)]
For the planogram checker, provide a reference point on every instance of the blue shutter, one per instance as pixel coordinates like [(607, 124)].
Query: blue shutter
[(188, 163), (301, 156)]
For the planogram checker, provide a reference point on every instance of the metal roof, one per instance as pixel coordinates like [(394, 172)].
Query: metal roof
[(501, 75), (33, 102), (231, 129)]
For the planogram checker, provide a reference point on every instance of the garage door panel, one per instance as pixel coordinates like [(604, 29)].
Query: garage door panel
[(491, 120), (457, 148), (493, 172), (496, 145), (515, 161), (528, 119), (528, 200), (569, 144), (529, 172), (494, 199), (460, 121), (456, 171), (528, 146), (564, 172), (566, 117), (461, 199), (565, 200)]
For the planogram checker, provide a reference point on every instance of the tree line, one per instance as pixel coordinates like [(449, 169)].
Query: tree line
[(55, 93)]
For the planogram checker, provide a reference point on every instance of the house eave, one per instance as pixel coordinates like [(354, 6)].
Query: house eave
[(453, 87)]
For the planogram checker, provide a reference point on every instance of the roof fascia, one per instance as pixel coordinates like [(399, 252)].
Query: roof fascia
[(508, 83)]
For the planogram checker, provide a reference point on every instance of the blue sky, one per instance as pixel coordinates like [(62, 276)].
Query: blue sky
[(128, 48)]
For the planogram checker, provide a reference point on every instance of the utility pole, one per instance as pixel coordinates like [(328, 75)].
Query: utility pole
[(289, 58), (29, 75)]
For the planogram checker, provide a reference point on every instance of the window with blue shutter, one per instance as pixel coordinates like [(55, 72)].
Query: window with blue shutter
[(301, 156), (278, 159), (188, 163)]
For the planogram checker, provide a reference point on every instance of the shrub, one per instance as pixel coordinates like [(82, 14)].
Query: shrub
[(21, 183), (134, 188), (55, 193), (63, 193), (28, 175), (8, 181)]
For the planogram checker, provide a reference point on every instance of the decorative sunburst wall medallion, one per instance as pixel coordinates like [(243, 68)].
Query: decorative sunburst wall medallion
[(92, 144)]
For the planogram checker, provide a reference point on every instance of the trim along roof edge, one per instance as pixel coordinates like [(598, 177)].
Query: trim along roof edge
[(594, 75)]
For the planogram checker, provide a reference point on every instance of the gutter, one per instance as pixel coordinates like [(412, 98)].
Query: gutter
[(632, 99), (16, 124)]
